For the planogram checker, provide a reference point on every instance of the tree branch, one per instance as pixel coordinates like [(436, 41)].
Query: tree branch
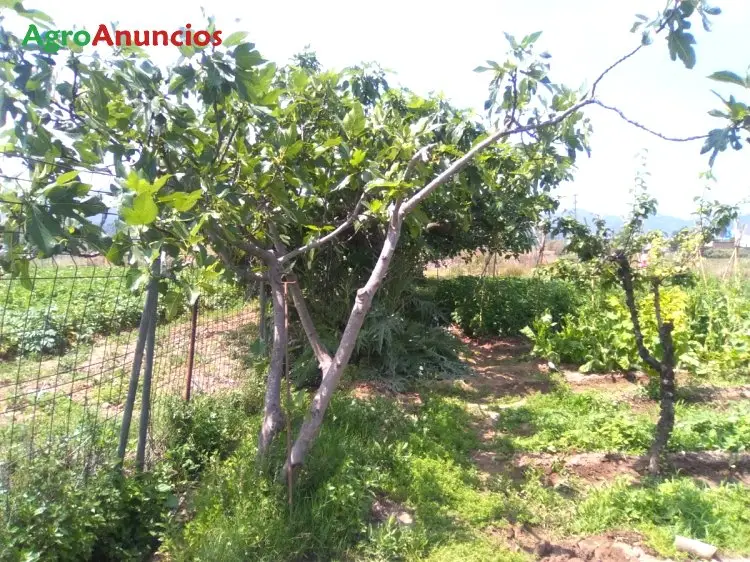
[(462, 162), (318, 242), (320, 351), (657, 303), (644, 128), (625, 274), (255, 250), (618, 62), (227, 260)]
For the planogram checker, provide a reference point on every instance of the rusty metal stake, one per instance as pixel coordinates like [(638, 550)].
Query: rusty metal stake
[(191, 351)]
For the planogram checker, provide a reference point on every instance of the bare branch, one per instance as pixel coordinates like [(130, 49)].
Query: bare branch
[(318, 242), (619, 61), (320, 351), (644, 128)]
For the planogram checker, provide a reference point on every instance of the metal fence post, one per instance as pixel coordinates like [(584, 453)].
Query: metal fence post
[(149, 312), (140, 454), (191, 351)]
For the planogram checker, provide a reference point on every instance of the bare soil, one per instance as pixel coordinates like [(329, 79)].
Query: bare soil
[(711, 467), (609, 547)]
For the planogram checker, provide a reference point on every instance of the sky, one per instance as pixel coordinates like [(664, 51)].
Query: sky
[(434, 47)]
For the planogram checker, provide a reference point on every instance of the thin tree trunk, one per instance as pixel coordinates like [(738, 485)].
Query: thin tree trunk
[(363, 301), (262, 303), (273, 418), (626, 280), (321, 353), (665, 425)]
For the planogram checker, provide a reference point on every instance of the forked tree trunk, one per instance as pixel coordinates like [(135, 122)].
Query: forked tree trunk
[(363, 301), (273, 418), (664, 368)]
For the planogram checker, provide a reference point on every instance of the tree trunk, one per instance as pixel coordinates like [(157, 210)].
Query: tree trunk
[(626, 280), (262, 303), (273, 418), (667, 397), (362, 303)]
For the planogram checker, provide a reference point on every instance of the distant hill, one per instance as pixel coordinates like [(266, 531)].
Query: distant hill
[(666, 223)]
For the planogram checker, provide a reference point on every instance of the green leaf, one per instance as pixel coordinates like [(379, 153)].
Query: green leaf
[(681, 46), (235, 38), (357, 157), (173, 303), (181, 201), (530, 39), (159, 183), (19, 269), (120, 244), (186, 51), (144, 187), (42, 228), (292, 150), (67, 177), (729, 77), (354, 121), (143, 211), (91, 207), (246, 57)]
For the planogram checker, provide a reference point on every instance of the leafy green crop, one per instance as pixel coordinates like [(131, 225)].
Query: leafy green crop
[(711, 329), (71, 305)]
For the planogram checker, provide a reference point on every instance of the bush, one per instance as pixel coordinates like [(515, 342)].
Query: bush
[(198, 431), (711, 330), (57, 513), (502, 306)]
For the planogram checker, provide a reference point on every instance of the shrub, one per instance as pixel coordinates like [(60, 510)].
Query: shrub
[(502, 306), (711, 330), (57, 513), (198, 431)]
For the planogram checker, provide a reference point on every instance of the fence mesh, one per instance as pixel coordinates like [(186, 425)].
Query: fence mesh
[(67, 345)]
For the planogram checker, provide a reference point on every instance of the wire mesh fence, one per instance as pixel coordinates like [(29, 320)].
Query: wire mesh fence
[(67, 346)]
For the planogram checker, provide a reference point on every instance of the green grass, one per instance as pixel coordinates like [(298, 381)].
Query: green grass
[(368, 450), (567, 421), (421, 461), (418, 458), (663, 509)]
